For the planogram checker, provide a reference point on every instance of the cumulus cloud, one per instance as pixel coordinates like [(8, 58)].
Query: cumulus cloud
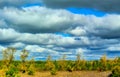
[(45, 20), (8, 35), (36, 48), (42, 39), (104, 5), (114, 47), (78, 31), (17, 45), (38, 19), (35, 28), (48, 44)]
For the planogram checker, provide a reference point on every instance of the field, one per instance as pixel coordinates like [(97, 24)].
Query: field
[(70, 74)]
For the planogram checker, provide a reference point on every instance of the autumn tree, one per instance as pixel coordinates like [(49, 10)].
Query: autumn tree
[(103, 63), (49, 64), (31, 67), (62, 63), (8, 55), (23, 56), (78, 62)]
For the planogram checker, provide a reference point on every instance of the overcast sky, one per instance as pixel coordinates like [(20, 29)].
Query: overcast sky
[(57, 27)]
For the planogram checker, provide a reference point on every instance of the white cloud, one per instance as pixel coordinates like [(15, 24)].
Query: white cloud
[(2, 48), (8, 35), (114, 47), (77, 31), (87, 30), (17, 45), (38, 19), (36, 48), (81, 51)]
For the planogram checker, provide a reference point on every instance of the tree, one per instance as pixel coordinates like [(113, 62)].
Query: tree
[(103, 63), (62, 63), (23, 56), (115, 72), (8, 55), (49, 64), (78, 62), (31, 67)]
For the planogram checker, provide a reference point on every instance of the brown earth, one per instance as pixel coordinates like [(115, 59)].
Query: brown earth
[(70, 74)]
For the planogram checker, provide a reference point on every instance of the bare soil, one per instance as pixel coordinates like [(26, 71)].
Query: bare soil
[(70, 74)]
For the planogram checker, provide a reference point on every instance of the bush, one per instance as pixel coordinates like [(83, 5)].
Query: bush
[(115, 72), (53, 71), (69, 68), (12, 72), (31, 72)]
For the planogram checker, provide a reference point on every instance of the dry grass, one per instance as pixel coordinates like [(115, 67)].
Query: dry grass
[(70, 74)]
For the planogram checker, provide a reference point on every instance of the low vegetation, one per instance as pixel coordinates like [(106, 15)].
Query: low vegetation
[(12, 68)]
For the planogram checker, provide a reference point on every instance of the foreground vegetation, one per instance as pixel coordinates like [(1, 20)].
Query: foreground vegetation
[(11, 68)]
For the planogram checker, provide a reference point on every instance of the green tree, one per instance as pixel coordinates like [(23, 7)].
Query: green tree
[(115, 72)]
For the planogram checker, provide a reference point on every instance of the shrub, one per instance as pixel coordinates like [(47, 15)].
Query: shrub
[(69, 68), (49, 64), (53, 71), (31, 72), (12, 72), (115, 72)]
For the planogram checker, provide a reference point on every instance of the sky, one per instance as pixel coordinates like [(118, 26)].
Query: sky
[(90, 28)]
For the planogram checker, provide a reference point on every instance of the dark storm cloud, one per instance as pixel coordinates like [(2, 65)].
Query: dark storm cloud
[(104, 5), (17, 3)]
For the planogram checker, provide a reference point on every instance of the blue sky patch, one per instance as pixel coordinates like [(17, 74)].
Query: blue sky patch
[(86, 11)]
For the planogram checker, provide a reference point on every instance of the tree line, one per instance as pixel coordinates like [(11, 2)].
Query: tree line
[(11, 68)]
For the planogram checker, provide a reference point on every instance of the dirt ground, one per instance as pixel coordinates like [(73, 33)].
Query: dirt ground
[(70, 74)]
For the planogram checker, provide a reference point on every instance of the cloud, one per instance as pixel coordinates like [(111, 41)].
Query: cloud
[(1, 48), (104, 5), (113, 47), (61, 45), (52, 39), (36, 48), (45, 20), (8, 35), (42, 39), (17, 3), (78, 31), (17, 45), (3, 24), (44, 31), (106, 27), (38, 19)]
